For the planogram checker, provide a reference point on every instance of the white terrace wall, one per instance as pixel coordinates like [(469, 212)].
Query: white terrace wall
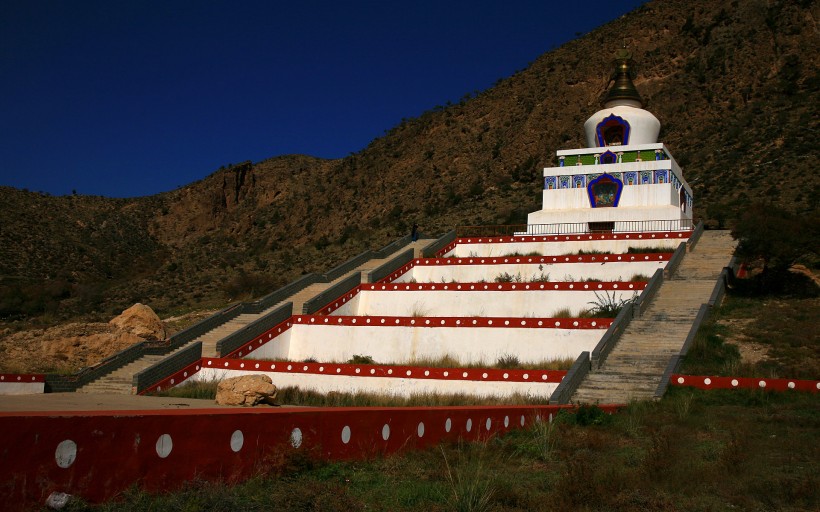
[(401, 344), (477, 300), (612, 270), (22, 384), (471, 247), (388, 385)]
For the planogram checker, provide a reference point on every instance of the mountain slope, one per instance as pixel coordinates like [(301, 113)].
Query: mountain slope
[(733, 83)]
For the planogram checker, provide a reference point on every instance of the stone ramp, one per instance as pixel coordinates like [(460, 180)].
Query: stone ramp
[(635, 367), (120, 381)]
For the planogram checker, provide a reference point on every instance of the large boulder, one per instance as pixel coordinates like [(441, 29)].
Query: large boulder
[(141, 321), (247, 390)]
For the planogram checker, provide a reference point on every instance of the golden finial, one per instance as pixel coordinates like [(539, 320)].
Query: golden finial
[(623, 88)]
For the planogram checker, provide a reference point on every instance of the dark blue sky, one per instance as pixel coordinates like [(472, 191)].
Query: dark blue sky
[(127, 98)]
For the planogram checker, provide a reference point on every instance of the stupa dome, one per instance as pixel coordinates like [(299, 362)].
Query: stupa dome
[(622, 121)]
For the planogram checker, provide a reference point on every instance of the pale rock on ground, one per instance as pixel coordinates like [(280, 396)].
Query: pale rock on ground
[(141, 321), (247, 390)]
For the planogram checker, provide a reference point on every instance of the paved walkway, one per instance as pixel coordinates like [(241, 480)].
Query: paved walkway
[(636, 364), (97, 402)]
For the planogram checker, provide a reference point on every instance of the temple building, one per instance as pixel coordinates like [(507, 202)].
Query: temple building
[(624, 180)]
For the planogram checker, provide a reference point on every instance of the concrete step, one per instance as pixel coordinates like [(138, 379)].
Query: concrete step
[(635, 365)]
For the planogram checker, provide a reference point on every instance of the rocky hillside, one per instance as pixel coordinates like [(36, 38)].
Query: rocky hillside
[(734, 84)]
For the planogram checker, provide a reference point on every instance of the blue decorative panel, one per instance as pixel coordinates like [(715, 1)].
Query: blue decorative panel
[(631, 178), (662, 176), (646, 177), (604, 191), (579, 181), (551, 182), (564, 181)]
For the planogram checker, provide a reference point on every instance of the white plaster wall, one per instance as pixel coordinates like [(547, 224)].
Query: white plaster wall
[(277, 348), (22, 388), (587, 214), (388, 385), (533, 303), (610, 271), (561, 248), (644, 126), (656, 194), (399, 344)]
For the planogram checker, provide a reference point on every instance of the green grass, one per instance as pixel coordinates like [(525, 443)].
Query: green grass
[(692, 451), (505, 361), (295, 396), (786, 327)]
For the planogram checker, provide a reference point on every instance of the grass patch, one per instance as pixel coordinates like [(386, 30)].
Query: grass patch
[(785, 328), (648, 250), (607, 306), (205, 389), (293, 395)]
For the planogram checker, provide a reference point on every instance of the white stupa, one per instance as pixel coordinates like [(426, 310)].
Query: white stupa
[(625, 180)]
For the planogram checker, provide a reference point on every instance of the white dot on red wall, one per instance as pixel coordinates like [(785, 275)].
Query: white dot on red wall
[(346, 434), (762, 383), (506, 421), (707, 381), (735, 382), (448, 425), (420, 429), (488, 424), (791, 385), (522, 420), (469, 425), (66, 453), (296, 437), (237, 440), (680, 380), (164, 446), (386, 432)]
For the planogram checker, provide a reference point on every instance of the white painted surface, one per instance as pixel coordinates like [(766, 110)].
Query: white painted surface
[(604, 271), (643, 125), (389, 385), (399, 344), (22, 388), (277, 348), (587, 214), (643, 196), (533, 303), (560, 248)]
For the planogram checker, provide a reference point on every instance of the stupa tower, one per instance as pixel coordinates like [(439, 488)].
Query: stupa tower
[(624, 180)]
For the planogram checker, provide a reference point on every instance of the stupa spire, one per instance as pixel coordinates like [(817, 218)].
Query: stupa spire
[(623, 91)]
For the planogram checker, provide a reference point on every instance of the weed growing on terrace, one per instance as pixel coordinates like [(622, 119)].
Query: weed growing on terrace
[(606, 306), (645, 250)]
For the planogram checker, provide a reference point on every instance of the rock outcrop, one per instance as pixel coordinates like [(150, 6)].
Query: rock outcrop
[(141, 321), (247, 390), (71, 347)]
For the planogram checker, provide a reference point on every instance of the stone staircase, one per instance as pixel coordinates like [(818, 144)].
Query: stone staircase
[(635, 366), (120, 381)]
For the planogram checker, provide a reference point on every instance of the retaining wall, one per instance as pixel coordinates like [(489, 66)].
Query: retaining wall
[(403, 339), (97, 455), (385, 379), (561, 244), (602, 267), (22, 384), (490, 299)]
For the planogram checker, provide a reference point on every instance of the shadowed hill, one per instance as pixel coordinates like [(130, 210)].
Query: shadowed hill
[(734, 84)]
